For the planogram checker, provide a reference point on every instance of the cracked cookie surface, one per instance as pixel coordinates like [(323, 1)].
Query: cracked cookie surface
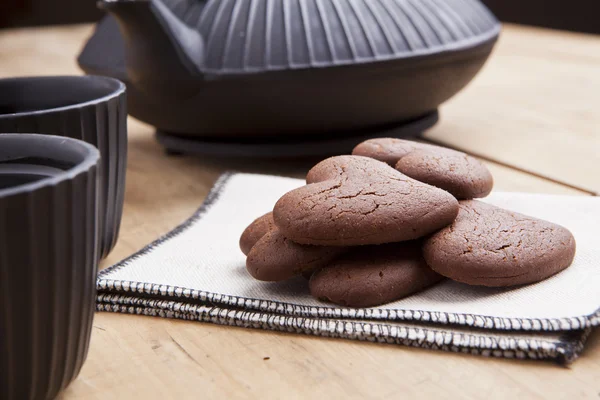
[(369, 276), (353, 200), (456, 172), (490, 246)]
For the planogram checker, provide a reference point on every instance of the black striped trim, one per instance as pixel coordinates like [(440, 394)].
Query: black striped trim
[(564, 350), (443, 318)]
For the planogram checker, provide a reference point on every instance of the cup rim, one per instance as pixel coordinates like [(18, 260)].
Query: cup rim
[(118, 88), (91, 158)]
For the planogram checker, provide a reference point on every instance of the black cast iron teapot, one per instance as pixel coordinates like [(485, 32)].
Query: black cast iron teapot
[(266, 68)]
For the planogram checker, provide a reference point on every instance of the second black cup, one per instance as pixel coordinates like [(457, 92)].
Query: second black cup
[(89, 108), (48, 262)]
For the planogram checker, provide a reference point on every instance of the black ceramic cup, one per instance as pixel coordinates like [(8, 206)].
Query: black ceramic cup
[(48, 261), (89, 108)]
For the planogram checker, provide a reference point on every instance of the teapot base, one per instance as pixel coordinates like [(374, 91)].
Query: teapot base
[(291, 147)]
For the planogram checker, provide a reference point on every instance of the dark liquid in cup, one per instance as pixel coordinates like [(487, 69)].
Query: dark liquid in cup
[(12, 175)]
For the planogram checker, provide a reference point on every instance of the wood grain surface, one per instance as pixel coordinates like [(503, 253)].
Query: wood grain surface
[(534, 106), (531, 109)]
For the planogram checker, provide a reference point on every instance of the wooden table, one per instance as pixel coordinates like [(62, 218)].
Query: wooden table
[(533, 114)]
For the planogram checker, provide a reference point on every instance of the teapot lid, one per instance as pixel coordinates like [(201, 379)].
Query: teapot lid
[(269, 35)]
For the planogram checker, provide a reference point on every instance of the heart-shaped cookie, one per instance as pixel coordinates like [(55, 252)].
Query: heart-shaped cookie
[(275, 258), (490, 246), (272, 257), (257, 229), (389, 150), (369, 276), (456, 172), (352, 200)]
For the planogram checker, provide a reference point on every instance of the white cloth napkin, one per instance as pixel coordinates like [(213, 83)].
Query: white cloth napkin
[(197, 272)]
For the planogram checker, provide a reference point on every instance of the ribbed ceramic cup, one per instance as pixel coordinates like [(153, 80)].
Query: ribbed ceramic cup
[(48, 261), (89, 108)]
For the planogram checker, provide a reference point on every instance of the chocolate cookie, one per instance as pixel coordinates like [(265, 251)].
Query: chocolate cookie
[(352, 200), (257, 229), (369, 276), (389, 150), (490, 246), (456, 172), (275, 258)]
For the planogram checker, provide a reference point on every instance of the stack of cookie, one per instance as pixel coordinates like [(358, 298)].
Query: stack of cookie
[(395, 218)]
